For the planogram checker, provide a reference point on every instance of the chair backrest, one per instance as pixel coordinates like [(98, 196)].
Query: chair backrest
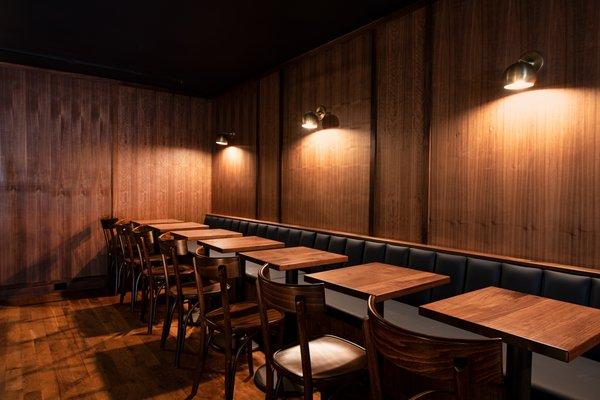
[(122, 227), (108, 230), (304, 301), (172, 251), (223, 270), (455, 365)]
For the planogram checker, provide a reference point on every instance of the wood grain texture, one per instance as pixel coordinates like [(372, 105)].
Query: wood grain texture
[(517, 173), (162, 155), (199, 234), (401, 158), (325, 174), (244, 243), (54, 174), (290, 258), (381, 280), (234, 167), (554, 328), (268, 147)]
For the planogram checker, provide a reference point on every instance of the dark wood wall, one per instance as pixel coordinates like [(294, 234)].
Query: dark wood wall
[(431, 144), (75, 148)]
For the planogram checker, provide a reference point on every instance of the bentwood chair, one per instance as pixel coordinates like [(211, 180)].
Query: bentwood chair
[(112, 249), (450, 368), (126, 255), (235, 324), (155, 273), (136, 238), (182, 291), (321, 362)]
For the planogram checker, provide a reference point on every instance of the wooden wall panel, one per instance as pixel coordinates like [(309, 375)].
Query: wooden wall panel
[(162, 155), (55, 174), (517, 173), (268, 147), (62, 138), (234, 167), (400, 199), (325, 174)]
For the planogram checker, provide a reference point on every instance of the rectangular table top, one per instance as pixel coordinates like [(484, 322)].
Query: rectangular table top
[(291, 258), (197, 234), (383, 281), (237, 244), (554, 328), (154, 221), (177, 226)]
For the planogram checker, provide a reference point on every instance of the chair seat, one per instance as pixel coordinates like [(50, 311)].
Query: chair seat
[(244, 316), (330, 356), (154, 259), (184, 269), (189, 289)]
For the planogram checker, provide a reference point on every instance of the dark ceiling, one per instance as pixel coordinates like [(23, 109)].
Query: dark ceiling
[(198, 47)]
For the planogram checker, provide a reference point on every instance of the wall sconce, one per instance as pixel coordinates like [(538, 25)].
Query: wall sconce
[(223, 138), (523, 73), (310, 120)]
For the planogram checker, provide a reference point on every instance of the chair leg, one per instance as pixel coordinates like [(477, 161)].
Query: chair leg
[(249, 358), (134, 289), (144, 302), (181, 330), (117, 275), (151, 311), (124, 271), (201, 359), (168, 320)]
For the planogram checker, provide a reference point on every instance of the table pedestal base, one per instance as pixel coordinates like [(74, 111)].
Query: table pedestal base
[(518, 372), (289, 389)]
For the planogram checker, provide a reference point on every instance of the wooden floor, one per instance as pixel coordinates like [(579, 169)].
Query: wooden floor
[(97, 349)]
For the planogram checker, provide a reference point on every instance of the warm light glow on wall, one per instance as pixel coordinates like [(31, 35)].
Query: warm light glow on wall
[(233, 156)]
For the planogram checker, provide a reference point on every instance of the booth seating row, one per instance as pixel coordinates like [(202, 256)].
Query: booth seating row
[(579, 379)]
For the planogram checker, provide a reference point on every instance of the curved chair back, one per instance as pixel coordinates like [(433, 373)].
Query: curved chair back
[(123, 227), (108, 230), (453, 365), (303, 301), (172, 251)]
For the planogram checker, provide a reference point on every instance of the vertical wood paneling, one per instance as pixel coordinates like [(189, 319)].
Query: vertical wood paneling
[(325, 174), (401, 158), (517, 173), (62, 138), (54, 174), (268, 147), (234, 167), (163, 157)]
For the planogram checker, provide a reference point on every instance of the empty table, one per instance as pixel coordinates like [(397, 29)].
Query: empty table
[(291, 259), (383, 281), (177, 226), (237, 244), (200, 234), (526, 323), (154, 221)]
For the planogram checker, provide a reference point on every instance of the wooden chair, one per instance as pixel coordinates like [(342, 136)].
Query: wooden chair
[(457, 368), (112, 249), (126, 255), (182, 293), (320, 362), (139, 247), (236, 323)]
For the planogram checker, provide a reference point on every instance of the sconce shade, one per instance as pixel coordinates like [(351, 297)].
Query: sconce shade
[(330, 121), (223, 138), (523, 73), (310, 120)]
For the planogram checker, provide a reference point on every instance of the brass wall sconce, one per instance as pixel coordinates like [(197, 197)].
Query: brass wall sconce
[(311, 119), (224, 138), (523, 73)]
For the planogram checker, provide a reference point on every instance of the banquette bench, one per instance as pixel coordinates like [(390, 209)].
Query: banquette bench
[(468, 271)]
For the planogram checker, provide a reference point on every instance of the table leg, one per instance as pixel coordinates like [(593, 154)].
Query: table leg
[(518, 372), (291, 276)]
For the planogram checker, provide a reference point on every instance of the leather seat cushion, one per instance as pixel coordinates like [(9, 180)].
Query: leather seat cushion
[(329, 356)]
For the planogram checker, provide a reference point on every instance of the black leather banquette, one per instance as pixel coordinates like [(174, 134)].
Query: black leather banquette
[(579, 379)]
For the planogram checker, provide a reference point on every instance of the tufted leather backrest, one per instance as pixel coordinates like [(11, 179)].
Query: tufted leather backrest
[(354, 251), (374, 252), (521, 279)]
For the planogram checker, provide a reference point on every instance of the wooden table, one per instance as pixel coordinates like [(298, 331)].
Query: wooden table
[(238, 244), (177, 226), (154, 221), (199, 234), (291, 259), (526, 323), (383, 281)]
